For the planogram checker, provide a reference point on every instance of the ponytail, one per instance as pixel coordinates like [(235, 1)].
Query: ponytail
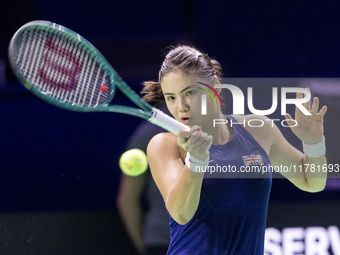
[(152, 92)]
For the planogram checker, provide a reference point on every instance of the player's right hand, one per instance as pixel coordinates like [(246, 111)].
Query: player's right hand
[(196, 142)]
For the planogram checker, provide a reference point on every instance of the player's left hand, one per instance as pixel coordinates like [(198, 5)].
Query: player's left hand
[(309, 128)]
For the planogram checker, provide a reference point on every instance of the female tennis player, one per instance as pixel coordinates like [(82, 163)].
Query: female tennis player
[(225, 215)]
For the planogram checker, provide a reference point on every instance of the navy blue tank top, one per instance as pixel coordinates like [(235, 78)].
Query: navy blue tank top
[(232, 212)]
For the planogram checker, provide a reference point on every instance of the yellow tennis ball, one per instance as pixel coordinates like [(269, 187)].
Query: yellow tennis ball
[(133, 162)]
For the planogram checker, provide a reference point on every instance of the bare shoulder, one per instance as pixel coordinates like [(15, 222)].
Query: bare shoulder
[(162, 140), (164, 145)]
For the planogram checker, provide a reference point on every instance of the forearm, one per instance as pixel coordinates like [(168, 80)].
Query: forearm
[(314, 162), (315, 172), (183, 198)]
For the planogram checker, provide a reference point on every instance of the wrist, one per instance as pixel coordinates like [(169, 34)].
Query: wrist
[(315, 150), (195, 164), (313, 140)]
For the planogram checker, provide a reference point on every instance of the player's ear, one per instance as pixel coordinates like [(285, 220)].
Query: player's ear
[(217, 81)]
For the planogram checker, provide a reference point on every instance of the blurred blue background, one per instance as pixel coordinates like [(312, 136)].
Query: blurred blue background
[(52, 160)]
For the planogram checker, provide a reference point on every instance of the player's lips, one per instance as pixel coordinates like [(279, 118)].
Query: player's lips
[(185, 120)]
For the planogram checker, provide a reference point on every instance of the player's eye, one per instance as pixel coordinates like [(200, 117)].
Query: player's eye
[(190, 92)]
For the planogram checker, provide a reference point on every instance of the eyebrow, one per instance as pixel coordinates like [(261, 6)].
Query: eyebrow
[(180, 92)]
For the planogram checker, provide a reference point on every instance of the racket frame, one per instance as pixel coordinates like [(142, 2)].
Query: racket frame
[(147, 112)]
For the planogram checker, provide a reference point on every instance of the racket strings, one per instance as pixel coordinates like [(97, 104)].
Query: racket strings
[(61, 67)]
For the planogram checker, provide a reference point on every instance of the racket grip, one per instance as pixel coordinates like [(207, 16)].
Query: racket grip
[(163, 120)]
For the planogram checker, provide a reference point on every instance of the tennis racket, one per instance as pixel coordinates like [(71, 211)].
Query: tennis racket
[(64, 69)]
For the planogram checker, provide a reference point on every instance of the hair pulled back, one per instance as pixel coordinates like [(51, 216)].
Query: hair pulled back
[(186, 59)]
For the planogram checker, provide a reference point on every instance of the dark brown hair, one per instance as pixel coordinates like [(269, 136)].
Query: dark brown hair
[(187, 59)]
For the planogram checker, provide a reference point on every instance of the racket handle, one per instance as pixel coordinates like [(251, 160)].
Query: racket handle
[(163, 120)]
